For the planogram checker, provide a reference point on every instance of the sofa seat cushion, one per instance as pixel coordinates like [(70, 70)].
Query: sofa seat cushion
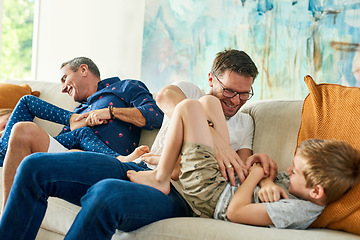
[(332, 111), (206, 228)]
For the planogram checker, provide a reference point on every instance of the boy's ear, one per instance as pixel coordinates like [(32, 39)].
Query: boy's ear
[(317, 192)]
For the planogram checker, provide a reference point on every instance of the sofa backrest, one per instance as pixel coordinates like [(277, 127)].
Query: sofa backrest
[(277, 124)]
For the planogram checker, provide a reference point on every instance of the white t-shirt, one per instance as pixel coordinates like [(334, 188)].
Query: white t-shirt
[(241, 125)]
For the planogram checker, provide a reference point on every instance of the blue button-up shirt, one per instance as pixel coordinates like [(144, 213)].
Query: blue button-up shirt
[(122, 137)]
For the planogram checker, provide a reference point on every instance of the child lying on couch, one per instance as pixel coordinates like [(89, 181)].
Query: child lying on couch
[(322, 171)]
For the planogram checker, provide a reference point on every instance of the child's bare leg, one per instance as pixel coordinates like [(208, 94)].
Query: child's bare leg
[(189, 124), (176, 172), (161, 180), (212, 108), (135, 154)]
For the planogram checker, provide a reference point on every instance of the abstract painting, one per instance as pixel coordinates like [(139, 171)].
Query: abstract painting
[(287, 39)]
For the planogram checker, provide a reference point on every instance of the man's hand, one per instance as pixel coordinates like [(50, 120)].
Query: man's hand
[(270, 192), (228, 160), (95, 117), (269, 165)]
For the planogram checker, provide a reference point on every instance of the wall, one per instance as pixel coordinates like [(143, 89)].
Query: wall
[(107, 31)]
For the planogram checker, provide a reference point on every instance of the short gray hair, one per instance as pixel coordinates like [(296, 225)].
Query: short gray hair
[(76, 62)]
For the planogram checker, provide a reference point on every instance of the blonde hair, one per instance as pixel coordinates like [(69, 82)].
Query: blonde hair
[(5, 111), (332, 164)]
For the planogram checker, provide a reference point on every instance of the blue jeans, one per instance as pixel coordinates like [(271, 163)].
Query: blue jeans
[(96, 182), (29, 107)]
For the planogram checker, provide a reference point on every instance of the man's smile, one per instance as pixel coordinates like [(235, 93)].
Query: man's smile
[(229, 105)]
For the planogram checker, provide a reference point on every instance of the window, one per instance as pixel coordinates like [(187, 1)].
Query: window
[(16, 26)]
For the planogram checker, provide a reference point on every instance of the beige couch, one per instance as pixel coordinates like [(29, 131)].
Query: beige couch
[(276, 127)]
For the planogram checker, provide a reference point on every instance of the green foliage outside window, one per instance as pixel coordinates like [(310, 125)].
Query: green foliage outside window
[(17, 34)]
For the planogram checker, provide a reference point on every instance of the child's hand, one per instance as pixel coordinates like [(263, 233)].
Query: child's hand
[(257, 169), (272, 193)]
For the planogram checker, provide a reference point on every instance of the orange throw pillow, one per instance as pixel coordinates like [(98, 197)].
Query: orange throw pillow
[(332, 111), (10, 94)]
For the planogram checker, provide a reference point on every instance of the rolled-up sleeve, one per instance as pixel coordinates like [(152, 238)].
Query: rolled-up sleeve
[(136, 94)]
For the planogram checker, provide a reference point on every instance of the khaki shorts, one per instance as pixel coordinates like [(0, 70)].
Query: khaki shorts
[(200, 178)]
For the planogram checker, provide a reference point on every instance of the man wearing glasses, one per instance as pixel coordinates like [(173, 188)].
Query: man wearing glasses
[(230, 80), (105, 198)]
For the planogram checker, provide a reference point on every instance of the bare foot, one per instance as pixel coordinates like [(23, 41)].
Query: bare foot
[(135, 154), (149, 178), (152, 159)]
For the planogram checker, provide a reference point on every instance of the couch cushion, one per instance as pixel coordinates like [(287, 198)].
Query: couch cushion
[(276, 124), (205, 228), (332, 111)]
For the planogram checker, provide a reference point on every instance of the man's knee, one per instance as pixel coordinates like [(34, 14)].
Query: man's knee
[(100, 198), (23, 132), (30, 167)]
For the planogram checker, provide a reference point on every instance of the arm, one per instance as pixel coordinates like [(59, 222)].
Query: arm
[(226, 156), (102, 116), (241, 132), (139, 108), (241, 210), (270, 192), (131, 115), (142, 109), (269, 165)]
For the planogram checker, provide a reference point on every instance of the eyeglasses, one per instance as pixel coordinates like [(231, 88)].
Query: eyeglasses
[(228, 93)]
